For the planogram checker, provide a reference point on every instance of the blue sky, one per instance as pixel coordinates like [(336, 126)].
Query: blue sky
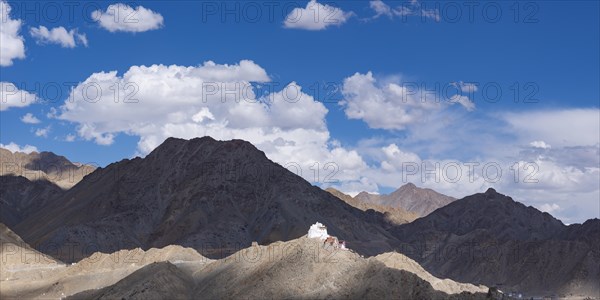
[(549, 53)]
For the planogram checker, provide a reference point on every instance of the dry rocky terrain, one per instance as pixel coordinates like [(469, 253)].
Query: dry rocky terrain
[(43, 166), (393, 214), (299, 268), (408, 197)]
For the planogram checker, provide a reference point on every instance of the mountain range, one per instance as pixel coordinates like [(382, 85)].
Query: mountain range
[(392, 214), (218, 197), (43, 166), (408, 197), (491, 239), (213, 196)]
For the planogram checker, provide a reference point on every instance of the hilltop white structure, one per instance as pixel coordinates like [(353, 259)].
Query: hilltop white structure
[(318, 230)]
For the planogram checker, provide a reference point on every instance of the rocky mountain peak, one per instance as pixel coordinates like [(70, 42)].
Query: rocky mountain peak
[(491, 192), (409, 186)]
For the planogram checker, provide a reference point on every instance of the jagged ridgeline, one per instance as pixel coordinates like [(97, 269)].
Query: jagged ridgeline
[(218, 197)]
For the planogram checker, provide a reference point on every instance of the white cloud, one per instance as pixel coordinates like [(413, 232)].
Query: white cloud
[(573, 191), (82, 38), (58, 35), (11, 96), (567, 173), (353, 188), (122, 17), (466, 87), (559, 128), (389, 103), (380, 8), (413, 8), (42, 132), (16, 148), (11, 43), (383, 105), (433, 14), (316, 16), (216, 100), (465, 91), (395, 158), (464, 101), (540, 145), (70, 138), (28, 118)]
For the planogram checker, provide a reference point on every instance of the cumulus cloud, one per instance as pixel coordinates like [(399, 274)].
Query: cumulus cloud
[(12, 147), (58, 35), (11, 96), (29, 118), (383, 105), (12, 45), (42, 132), (316, 16), (212, 99), (539, 156), (122, 17), (396, 159), (389, 103)]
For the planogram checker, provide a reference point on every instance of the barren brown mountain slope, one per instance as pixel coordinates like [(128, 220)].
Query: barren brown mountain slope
[(213, 196), (489, 238), (402, 262), (392, 214), (53, 280), (43, 166), (408, 197)]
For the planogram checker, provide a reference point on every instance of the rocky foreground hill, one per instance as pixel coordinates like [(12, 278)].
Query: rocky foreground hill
[(299, 268), (15, 254)]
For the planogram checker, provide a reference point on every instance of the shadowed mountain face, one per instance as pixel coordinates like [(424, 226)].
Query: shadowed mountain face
[(43, 166), (490, 239), (19, 197), (410, 198), (213, 196)]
